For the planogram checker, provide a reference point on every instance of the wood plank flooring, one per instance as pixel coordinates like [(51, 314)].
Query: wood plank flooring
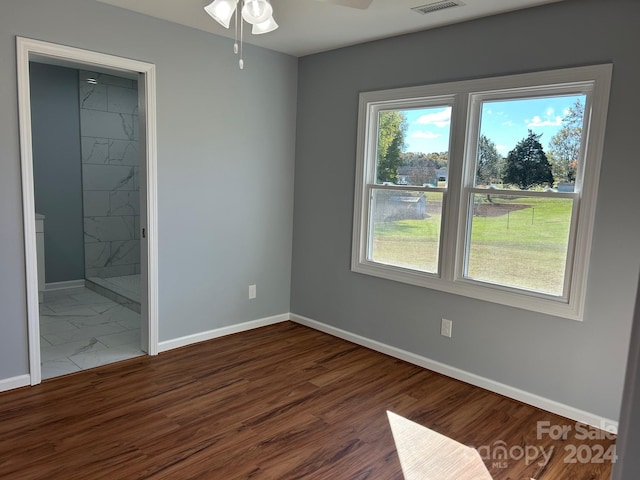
[(279, 402)]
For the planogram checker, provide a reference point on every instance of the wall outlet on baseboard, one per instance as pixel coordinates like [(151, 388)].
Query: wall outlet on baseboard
[(252, 292), (445, 328)]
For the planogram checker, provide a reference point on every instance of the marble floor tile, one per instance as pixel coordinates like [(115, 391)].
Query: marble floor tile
[(61, 317), (121, 338), (51, 328), (105, 356), (85, 333), (105, 307), (130, 323), (97, 319), (55, 368), (82, 329), (121, 313), (65, 350)]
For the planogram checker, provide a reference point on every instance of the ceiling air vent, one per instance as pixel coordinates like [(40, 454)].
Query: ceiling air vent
[(436, 6)]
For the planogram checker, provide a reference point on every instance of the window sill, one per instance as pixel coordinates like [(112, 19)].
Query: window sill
[(536, 302)]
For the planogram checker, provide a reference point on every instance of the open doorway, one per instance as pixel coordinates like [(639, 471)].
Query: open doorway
[(86, 170), (103, 292)]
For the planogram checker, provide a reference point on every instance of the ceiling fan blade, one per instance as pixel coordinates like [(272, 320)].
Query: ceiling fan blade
[(360, 4)]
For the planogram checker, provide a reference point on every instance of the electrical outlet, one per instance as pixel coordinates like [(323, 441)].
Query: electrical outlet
[(252, 291), (445, 328)]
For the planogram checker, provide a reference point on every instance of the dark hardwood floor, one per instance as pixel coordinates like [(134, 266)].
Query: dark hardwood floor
[(279, 402)]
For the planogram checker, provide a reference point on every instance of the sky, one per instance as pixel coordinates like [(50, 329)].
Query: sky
[(503, 122)]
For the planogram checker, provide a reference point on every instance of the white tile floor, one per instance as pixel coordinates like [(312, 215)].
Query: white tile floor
[(81, 329)]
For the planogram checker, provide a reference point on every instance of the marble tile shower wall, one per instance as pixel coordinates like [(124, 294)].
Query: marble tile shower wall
[(110, 174)]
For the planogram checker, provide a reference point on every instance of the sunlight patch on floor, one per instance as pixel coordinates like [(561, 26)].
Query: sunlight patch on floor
[(428, 455)]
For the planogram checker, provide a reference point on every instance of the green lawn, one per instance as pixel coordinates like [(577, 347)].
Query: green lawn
[(520, 242), (408, 243)]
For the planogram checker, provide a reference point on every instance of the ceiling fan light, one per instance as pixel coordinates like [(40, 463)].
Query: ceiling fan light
[(256, 11), (265, 27), (222, 11)]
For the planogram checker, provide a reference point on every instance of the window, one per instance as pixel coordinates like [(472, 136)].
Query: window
[(406, 193), (484, 188)]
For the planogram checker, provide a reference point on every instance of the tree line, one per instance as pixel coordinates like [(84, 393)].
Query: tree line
[(526, 165)]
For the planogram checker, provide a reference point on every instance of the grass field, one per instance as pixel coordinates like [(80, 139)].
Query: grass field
[(520, 242)]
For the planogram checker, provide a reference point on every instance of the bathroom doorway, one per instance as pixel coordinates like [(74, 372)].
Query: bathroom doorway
[(86, 170), (96, 302)]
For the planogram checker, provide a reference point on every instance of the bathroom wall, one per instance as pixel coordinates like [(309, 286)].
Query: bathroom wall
[(110, 174), (56, 168)]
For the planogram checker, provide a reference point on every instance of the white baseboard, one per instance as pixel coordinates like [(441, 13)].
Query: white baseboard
[(50, 287), (471, 378), (220, 332), (14, 382)]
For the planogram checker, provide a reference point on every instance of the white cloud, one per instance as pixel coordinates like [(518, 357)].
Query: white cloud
[(508, 123), (439, 119), (502, 148), (425, 134), (548, 122)]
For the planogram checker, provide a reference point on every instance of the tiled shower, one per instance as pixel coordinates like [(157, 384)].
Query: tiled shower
[(110, 178)]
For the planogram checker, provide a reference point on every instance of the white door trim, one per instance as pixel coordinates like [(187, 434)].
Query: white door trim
[(28, 49)]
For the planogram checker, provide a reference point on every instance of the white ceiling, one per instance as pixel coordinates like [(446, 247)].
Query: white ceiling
[(311, 26)]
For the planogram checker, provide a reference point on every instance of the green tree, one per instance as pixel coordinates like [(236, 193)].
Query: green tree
[(440, 159), (419, 168), (392, 127), (564, 147), (488, 163), (527, 164)]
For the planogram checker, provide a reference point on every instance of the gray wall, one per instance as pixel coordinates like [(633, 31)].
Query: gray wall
[(580, 364), (57, 169), (110, 174), (224, 202)]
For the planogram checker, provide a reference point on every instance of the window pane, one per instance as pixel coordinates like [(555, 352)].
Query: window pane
[(520, 241), (406, 229), (531, 143), (413, 146)]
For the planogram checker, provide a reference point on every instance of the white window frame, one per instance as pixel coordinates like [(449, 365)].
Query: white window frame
[(466, 98)]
